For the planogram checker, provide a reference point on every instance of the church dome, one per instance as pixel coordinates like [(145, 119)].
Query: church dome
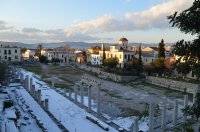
[(123, 39)]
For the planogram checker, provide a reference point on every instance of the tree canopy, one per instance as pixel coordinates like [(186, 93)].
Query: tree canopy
[(188, 22), (111, 62), (3, 68), (161, 49)]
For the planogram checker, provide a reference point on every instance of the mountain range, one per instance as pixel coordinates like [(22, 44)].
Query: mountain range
[(76, 45)]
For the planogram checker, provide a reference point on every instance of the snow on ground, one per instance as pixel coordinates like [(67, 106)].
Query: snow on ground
[(127, 122), (69, 114), (38, 111), (7, 116)]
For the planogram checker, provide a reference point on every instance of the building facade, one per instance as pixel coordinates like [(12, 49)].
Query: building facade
[(119, 51), (10, 54), (60, 53)]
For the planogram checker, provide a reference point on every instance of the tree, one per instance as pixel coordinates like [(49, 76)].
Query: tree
[(23, 50), (43, 59), (156, 66), (193, 110), (140, 55), (188, 22), (111, 62), (132, 64), (3, 68), (39, 48), (161, 49), (104, 54), (183, 68)]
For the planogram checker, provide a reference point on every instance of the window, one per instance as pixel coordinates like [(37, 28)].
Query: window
[(9, 58), (125, 56), (129, 57), (152, 60), (15, 51), (5, 57), (0, 58), (9, 52), (146, 60), (16, 57), (5, 52)]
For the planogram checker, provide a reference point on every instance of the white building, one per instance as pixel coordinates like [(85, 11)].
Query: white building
[(119, 51), (150, 54), (96, 59), (28, 54), (12, 54), (60, 53)]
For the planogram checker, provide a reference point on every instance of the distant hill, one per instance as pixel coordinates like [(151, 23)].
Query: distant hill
[(76, 45)]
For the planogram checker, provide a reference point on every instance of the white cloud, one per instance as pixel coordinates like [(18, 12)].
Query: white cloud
[(155, 17)]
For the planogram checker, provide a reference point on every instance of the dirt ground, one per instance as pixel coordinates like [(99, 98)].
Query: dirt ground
[(117, 99)]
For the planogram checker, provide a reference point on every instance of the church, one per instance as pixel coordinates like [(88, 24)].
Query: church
[(119, 51)]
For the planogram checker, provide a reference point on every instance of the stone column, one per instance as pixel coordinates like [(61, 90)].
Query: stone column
[(164, 112), (70, 94), (33, 90), (151, 117), (185, 104), (39, 96), (89, 99), (52, 84), (82, 94), (75, 94), (36, 94), (31, 84), (27, 82), (43, 103), (98, 101), (46, 104), (24, 83), (21, 77), (175, 115), (136, 125)]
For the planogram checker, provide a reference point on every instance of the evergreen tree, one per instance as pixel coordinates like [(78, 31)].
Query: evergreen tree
[(161, 49), (140, 55), (188, 22), (104, 54), (39, 48)]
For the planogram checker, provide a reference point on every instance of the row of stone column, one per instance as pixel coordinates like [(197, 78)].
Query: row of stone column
[(36, 94), (89, 92), (164, 114)]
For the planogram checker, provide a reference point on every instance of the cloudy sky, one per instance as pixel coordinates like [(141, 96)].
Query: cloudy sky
[(34, 21)]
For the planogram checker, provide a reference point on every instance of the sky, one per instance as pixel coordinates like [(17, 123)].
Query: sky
[(40, 21)]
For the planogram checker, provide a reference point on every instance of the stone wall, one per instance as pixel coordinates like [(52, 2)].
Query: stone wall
[(108, 76), (176, 85)]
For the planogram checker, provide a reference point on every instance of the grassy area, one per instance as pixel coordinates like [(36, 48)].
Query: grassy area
[(132, 112), (168, 91), (61, 85), (111, 93), (48, 82), (37, 69), (65, 79)]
